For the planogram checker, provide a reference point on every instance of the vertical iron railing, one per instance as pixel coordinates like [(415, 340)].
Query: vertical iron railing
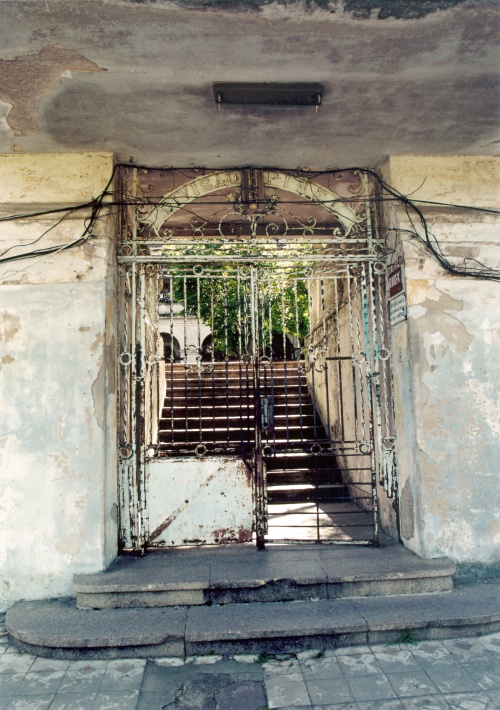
[(285, 363)]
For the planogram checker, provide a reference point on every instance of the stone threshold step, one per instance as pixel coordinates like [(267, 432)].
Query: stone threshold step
[(57, 629), (242, 574)]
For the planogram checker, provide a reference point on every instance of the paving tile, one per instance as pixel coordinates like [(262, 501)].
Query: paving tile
[(430, 652), (359, 665), (491, 643), (335, 706), (468, 649), (158, 679), (116, 700), (245, 658), (249, 695), (192, 686), (152, 701), (123, 674), (426, 702), (487, 677), (9, 682), (410, 684), (349, 651), (206, 660), (43, 683), (285, 693), (451, 678), (395, 660), (288, 667), (469, 701), (73, 701), (38, 702), (327, 691), (87, 666), (4, 701), (371, 687), (494, 694), (254, 671), (381, 705), (197, 693), (306, 655), (82, 678), (13, 663), (49, 664), (321, 668), (169, 662)]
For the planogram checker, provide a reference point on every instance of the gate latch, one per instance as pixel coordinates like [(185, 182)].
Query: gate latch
[(267, 413)]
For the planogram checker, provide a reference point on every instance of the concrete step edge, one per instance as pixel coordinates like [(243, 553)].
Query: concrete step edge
[(95, 583), (56, 628)]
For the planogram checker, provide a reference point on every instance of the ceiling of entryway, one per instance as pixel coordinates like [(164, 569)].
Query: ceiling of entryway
[(135, 77)]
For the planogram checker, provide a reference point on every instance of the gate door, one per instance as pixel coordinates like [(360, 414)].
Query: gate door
[(271, 349)]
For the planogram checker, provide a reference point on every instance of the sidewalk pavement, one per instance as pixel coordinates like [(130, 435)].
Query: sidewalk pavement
[(404, 675)]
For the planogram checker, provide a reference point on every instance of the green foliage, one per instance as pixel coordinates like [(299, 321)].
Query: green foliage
[(262, 658), (407, 636), (223, 301)]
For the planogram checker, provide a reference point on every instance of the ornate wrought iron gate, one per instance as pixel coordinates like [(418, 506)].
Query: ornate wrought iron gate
[(265, 345)]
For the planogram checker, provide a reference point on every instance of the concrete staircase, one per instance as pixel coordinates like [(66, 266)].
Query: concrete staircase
[(215, 408), (237, 599)]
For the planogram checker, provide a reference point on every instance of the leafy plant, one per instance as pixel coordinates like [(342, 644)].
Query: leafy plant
[(262, 658), (407, 637)]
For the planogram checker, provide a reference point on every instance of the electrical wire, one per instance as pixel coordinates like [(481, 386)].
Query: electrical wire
[(413, 212)]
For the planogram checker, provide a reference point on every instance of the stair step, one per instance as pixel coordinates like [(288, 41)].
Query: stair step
[(58, 629), (332, 493), (292, 434), (222, 376), (276, 478), (208, 421), (192, 399), (240, 574)]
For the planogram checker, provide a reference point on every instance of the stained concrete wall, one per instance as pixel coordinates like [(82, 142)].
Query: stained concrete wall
[(445, 362), (57, 383), (399, 76)]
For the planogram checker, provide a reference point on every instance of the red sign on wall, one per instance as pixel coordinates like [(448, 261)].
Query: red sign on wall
[(395, 282)]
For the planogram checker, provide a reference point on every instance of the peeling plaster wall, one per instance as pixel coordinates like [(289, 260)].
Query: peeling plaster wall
[(57, 392), (446, 364)]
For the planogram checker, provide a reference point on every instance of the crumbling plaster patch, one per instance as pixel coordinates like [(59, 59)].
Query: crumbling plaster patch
[(407, 511), (24, 80), (457, 403), (376, 9)]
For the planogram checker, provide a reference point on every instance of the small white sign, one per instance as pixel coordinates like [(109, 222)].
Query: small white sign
[(397, 309)]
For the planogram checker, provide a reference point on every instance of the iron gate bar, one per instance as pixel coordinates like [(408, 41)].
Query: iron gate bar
[(360, 425)]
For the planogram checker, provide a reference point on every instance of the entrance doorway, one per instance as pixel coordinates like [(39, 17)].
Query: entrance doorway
[(272, 286)]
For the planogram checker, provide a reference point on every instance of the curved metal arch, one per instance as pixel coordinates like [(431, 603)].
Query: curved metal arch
[(201, 186)]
